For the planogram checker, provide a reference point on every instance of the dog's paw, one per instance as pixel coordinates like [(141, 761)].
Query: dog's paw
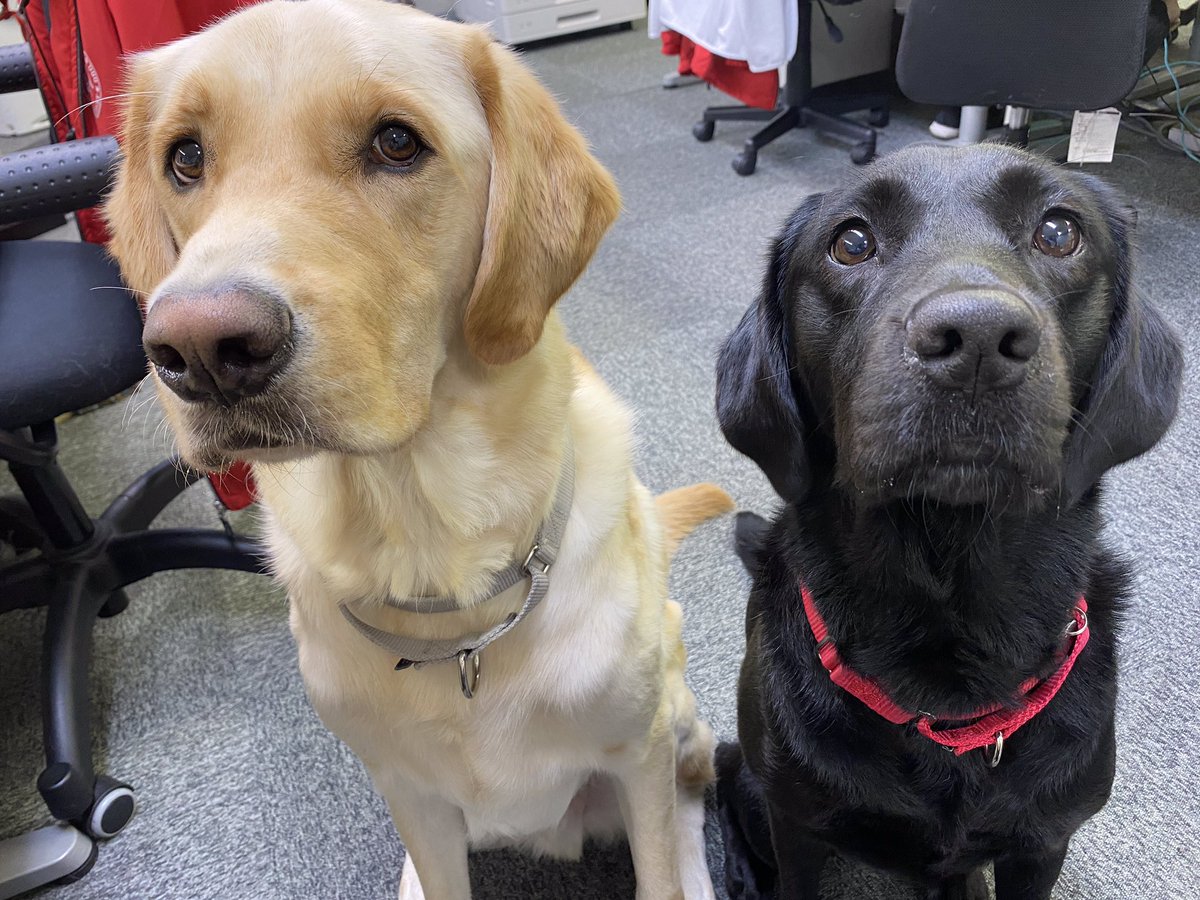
[(976, 887), (748, 876), (410, 885), (742, 883), (962, 887)]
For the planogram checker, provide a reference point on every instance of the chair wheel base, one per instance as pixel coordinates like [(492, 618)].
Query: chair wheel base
[(19, 527), (117, 603), (861, 154), (703, 131), (55, 854), (745, 162), (879, 117), (83, 869)]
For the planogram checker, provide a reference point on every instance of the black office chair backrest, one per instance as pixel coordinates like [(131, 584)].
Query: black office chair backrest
[(1064, 55)]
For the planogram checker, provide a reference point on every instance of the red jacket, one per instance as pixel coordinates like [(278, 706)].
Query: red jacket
[(80, 48)]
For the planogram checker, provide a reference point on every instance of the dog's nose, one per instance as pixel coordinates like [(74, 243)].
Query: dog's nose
[(221, 346), (973, 340)]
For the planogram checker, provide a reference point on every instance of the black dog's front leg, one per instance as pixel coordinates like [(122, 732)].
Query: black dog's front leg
[(961, 887), (799, 859), (749, 869), (765, 857), (1029, 876)]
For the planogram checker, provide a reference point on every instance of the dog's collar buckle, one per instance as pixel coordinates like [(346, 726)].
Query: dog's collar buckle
[(535, 560)]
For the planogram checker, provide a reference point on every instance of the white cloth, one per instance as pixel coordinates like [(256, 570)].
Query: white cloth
[(761, 32)]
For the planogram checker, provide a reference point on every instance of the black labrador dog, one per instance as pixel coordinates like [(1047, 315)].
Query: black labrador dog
[(946, 357)]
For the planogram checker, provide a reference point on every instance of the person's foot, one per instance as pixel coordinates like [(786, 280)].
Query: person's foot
[(944, 126)]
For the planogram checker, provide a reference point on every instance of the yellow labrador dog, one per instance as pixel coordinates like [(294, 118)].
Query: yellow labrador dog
[(351, 222)]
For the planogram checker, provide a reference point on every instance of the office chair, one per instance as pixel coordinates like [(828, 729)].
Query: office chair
[(1024, 54), (65, 346), (824, 108)]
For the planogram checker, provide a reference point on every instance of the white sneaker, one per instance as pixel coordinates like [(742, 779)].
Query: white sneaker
[(944, 126)]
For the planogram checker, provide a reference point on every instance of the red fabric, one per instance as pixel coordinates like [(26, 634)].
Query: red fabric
[(80, 47), (733, 76), (985, 724), (37, 34), (235, 486), (81, 80), (113, 29)]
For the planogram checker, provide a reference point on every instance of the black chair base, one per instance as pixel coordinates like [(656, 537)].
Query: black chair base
[(77, 568), (783, 119), (824, 108)]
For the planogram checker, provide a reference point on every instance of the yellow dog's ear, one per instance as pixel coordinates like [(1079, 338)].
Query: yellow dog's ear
[(141, 239), (549, 204)]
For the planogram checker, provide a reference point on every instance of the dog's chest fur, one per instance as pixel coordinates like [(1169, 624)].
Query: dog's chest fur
[(560, 694)]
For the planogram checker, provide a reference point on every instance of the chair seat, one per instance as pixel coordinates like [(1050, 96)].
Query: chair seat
[(63, 345)]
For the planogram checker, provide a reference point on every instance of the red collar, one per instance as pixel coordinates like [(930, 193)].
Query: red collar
[(990, 726)]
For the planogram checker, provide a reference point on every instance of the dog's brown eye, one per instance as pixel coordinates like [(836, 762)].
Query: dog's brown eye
[(395, 146), (854, 244), (187, 161), (1057, 235)]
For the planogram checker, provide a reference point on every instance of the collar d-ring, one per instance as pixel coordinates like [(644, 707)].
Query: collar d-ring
[(997, 750), (468, 672), (1079, 624)]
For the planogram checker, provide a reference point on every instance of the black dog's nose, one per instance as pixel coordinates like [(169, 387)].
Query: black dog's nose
[(973, 340), (219, 347)]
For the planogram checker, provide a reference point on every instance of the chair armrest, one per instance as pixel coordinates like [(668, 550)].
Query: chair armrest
[(55, 179), (17, 72)]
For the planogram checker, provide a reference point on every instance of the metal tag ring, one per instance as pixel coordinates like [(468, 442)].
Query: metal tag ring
[(997, 750), (1079, 626), (468, 680)]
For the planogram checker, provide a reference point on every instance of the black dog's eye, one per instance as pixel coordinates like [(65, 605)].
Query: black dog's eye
[(395, 146), (1057, 235), (854, 244), (187, 161)]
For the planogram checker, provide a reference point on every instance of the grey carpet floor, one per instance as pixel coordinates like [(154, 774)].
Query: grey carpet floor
[(198, 702)]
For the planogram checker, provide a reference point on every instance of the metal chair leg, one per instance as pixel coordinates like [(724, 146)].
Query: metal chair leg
[(54, 854)]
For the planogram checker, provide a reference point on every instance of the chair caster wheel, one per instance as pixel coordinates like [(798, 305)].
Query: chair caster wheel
[(703, 131), (19, 527), (745, 162), (879, 117), (861, 154), (83, 869), (116, 604), (111, 811)]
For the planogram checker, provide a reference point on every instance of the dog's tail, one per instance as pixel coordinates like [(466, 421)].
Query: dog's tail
[(682, 509)]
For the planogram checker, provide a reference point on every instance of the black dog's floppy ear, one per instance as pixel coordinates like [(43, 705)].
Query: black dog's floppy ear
[(1135, 390), (757, 404)]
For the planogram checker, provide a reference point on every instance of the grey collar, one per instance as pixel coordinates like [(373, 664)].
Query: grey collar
[(466, 649)]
